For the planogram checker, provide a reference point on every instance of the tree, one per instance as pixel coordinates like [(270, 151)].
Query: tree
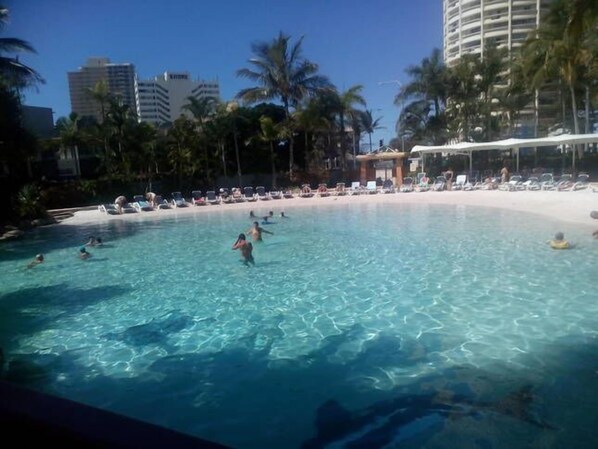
[(369, 124), (13, 73), (202, 109), (344, 105), (426, 92), (281, 74), (269, 133)]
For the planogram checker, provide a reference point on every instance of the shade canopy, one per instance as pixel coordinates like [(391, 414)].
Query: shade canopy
[(467, 148)]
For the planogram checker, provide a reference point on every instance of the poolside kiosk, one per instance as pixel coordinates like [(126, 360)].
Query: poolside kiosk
[(385, 157)]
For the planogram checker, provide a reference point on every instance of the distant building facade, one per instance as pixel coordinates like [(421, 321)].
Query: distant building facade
[(471, 25), (161, 99), (120, 79)]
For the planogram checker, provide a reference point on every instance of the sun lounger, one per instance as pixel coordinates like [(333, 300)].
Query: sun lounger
[(141, 204), (460, 181), (423, 182), (323, 190), (197, 199), (388, 187), (288, 194), (109, 209), (127, 208), (248, 194), (565, 183), (547, 182), (407, 185), (371, 188), (356, 188), (161, 203), (340, 189), (237, 195), (261, 193), (582, 181), (439, 184), (211, 197), (225, 196), (276, 195), (178, 200), (306, 191)]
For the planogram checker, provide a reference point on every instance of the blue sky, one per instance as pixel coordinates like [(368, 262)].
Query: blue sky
[(353, 41)]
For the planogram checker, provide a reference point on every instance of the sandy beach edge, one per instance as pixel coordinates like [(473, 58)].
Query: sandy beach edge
[(573, 208)]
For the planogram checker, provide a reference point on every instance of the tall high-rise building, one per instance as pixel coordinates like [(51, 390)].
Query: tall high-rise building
[(161, 99), (470, 26), (120, 79)]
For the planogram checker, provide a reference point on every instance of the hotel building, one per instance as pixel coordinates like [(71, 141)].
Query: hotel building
[(120, 79), (161, 99)]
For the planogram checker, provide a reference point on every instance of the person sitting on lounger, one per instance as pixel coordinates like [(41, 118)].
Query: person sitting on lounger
[(38, 259), (151, 198), (246, 249), (120, 202), (256, 232)]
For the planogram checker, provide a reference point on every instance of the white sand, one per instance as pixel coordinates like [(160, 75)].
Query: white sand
[(568, 207)]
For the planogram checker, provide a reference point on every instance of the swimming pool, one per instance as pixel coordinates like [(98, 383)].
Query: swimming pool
[(360, 325)]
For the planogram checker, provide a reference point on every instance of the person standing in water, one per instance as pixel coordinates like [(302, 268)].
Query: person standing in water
[(256, 232), (246, 249)]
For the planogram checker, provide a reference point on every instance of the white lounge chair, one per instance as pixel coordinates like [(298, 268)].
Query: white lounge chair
[(108, 209), (388, 187), (261, 193), (275, 194), (439, 184), (161, 203), (356, 188), (371, 188), (248, 194), (582, 181), (323, 190), (306, 191), (460, 182)]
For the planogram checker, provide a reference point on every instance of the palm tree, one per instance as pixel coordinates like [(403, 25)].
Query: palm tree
[(269, 133), (427, 91), (202, 109), (281, 74), (14, 74), (369, 124), (345, 102), (70, 134)]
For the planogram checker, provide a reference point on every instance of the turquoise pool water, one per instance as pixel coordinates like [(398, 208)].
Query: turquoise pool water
[(366, 325)]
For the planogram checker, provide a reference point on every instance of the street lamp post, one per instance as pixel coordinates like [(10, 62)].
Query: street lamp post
[(380, 83)]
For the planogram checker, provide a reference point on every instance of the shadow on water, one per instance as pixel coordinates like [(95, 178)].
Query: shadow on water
[(342, 394)]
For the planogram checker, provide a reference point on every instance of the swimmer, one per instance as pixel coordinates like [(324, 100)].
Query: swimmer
[(246, 249), (559, 242), (92, 241), (38, 259), (251, 214), (282, 215), (256, 232), (83, 254)]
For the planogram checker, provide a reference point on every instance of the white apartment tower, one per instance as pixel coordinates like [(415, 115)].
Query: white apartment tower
[(471, 24), (161, 99), (120, 79)]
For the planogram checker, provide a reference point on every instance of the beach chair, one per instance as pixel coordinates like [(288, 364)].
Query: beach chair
[(371, 188), (388, 186), (108, 209), (355, 188), (547, 181), (197, 199), (261, 193), (306, 191), (237, 195), (565, 183), (582, 181), (248, 194), (407, 185), (127, 208), (532, 183), (275, 195), (161, 203), (439, 184), (323, 190), (340, 189), (288, 193), (423, 182), (141, 204), (225, 196), (178, 200), (211, 197), (460, 181)]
